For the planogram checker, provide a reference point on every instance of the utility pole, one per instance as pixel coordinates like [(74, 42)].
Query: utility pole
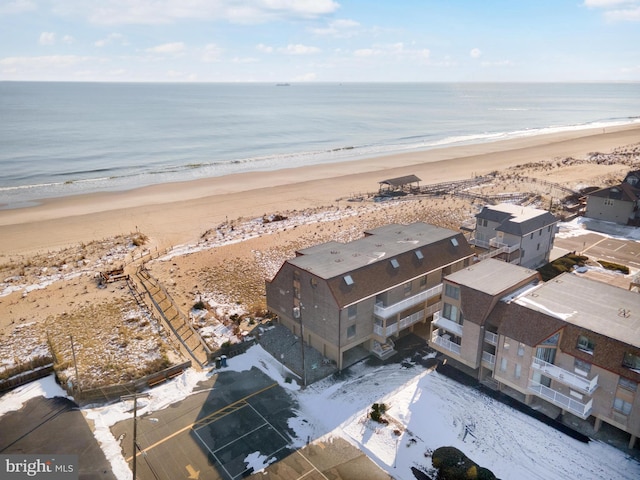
[(134, 397)]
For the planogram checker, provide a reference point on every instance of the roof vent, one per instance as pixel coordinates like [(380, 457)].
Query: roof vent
[(334, 252), (624, 312)]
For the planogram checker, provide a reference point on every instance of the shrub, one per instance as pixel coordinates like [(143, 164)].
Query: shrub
[(377, 412), (452, 464), (614, 266)]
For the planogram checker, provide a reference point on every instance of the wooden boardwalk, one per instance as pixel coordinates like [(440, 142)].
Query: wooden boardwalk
[(149, 290)]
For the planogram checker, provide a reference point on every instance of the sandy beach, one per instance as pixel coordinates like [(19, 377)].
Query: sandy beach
[(223, 251), (177, 213)]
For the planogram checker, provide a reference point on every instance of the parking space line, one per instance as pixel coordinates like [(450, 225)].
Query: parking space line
[(212, 454), (242, 436), (190, 426), (287, 443)]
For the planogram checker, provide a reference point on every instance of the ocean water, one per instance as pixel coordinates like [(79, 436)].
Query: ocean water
[(60, 139)]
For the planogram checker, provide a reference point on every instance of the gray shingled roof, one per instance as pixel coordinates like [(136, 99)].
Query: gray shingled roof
[(610, 311), (334, 259), (515, 219)]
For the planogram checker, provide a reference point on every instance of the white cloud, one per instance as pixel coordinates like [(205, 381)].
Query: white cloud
[(500, 63), (48, 61), (17, 6), (475, 53), (175, 47), (177, 75), (627, 14), (111, 38), (617, 10), (112, 12), (261, 47), (242, 60), (68, 39), (341, 28), (47, 38), (211, 53), (366, 52), (396, 50), (299, 49)]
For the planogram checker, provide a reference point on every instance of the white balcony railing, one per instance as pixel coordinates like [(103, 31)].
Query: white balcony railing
[(582, 410), (491, 338), (444, 342), (390, 310), (489, 358), (566, 377), (411, 319), (503, 247), (441, 322), (403, 323), (385, 331)]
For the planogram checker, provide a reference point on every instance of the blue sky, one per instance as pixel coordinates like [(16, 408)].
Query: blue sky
[(320, 40)]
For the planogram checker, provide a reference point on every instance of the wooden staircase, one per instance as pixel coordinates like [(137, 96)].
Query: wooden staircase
[(150, 291)]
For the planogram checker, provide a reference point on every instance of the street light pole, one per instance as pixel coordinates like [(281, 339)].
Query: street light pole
[(135, 425)]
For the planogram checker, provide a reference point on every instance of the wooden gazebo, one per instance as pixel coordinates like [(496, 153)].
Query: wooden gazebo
[(402, 184)]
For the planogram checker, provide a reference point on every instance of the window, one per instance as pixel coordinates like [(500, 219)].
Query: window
[(351, 331), (506, 344), (452, 291), (581, 367), (608, 202), (419, 254), (407, 289), (348, 280), (631, 361), (585, 344), (503, 365), (549, 228), (313, 282), (538, 247), (552, 340), (518, 370), (520, 349), (627, 384), (394, 263), (423, 281), (531, 235), (450, 312), (352, 311), (622, 406)]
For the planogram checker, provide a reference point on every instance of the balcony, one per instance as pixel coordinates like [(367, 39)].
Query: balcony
[(445, 342), (491, 338), (389, 311), (503, 247), (577, 382), (405, 322), (489, 359), (447, 324), (582, 410)]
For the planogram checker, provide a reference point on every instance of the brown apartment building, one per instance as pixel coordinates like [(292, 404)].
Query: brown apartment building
[(353, 299), (572, 342)]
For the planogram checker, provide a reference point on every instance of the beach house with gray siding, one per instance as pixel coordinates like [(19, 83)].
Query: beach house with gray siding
[(357, 297), (515, 234), (571, 342)]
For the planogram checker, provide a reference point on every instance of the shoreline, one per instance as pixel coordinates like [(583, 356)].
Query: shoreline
[(176, 213)]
